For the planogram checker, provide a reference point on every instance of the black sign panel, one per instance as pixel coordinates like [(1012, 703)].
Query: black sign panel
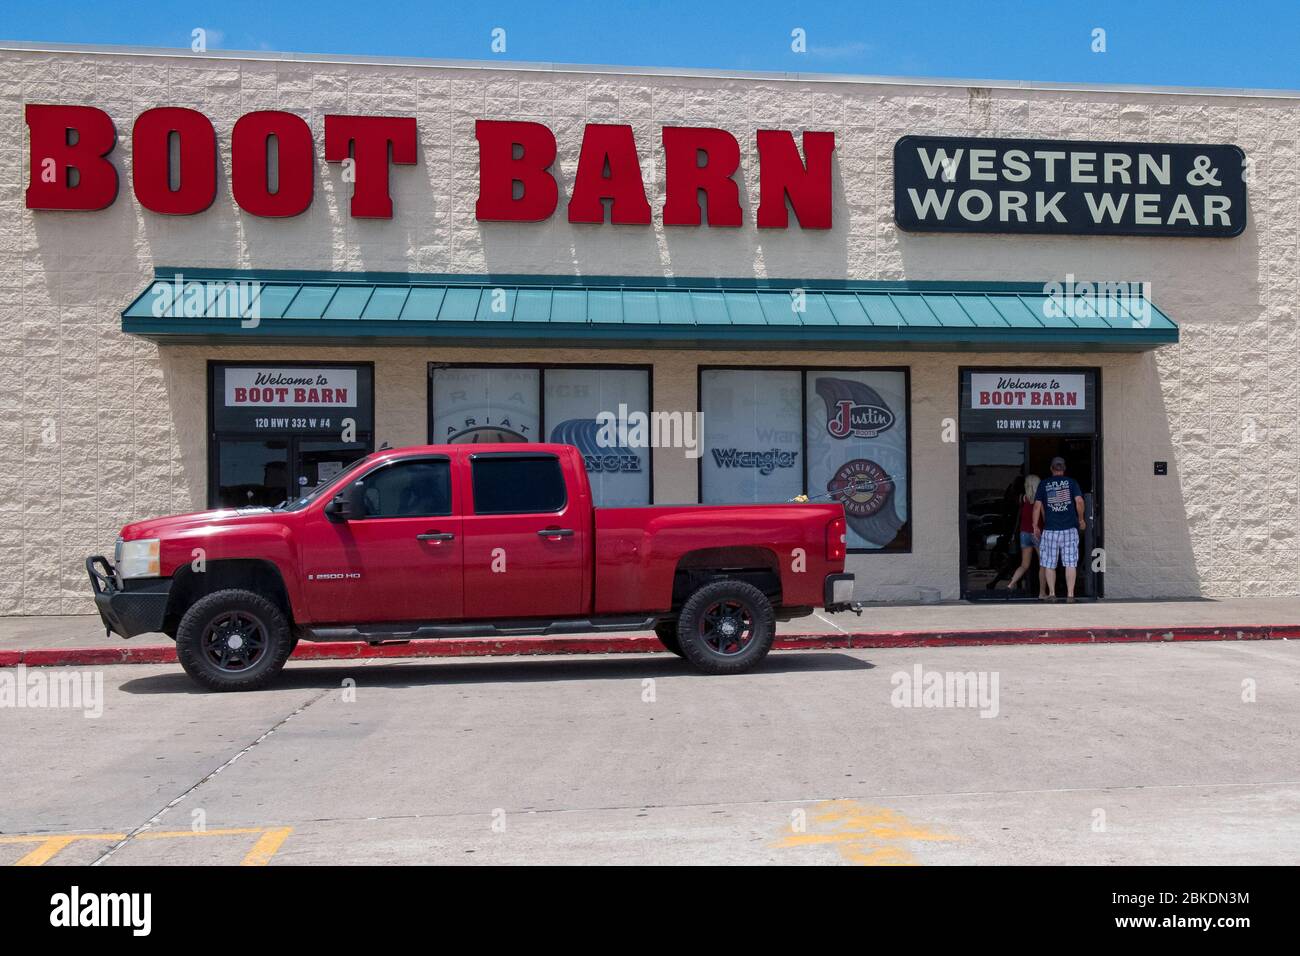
[(285, 399), (1062, 187), (1028, 401)]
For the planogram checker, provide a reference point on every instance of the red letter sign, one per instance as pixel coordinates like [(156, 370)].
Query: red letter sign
[(499, 170), (369, 137), (684, 176), (782, 173), (250, 175), (151, 161), (616, 147), (52, 156)]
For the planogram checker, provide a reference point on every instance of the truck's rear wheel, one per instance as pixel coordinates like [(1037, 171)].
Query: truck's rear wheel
[(666, 631), (726, 627), (233, 640)]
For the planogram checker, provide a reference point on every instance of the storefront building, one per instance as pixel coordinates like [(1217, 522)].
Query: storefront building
[(232, 274)]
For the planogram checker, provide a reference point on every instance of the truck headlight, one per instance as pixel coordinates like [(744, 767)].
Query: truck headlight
[(139, 559)]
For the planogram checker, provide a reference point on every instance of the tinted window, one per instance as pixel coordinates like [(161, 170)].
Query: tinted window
[(409, 489), (504, 486)]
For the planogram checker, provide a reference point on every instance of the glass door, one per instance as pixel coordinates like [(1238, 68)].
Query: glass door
[(251, 472), (993, 480), (318, 460), (263, 472)]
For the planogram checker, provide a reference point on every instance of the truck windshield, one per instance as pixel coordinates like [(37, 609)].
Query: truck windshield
[(329, 487)]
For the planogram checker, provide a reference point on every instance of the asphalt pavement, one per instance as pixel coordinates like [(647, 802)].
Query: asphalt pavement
[(1095, 754)]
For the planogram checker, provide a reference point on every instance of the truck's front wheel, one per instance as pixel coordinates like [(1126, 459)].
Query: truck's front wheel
[(233, 640), (726, 627)]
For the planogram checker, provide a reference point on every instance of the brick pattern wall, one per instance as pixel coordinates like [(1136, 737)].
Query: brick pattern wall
[(97, 428)]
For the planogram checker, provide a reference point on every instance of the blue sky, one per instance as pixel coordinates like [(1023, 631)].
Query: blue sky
[(1251, 43)]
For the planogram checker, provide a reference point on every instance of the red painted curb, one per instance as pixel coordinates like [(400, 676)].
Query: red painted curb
[(512, 646), (141, 654)]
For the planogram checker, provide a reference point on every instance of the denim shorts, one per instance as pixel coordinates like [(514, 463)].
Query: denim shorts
[(1027, 540)]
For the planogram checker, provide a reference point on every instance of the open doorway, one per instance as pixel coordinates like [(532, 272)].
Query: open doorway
[(1014, 421), (994, 473)]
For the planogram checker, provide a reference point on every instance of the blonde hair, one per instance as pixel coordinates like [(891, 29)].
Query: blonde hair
[(1031, 486)]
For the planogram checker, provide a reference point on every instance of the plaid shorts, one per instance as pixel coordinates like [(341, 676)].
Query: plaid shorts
[(1059, 544)]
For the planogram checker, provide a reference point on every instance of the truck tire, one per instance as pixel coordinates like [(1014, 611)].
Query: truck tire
[(666, 631), (233, 640), (726, 627)]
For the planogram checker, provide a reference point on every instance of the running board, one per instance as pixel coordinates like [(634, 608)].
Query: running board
[(401, 633)]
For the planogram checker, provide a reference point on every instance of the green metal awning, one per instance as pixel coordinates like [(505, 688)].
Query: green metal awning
[(271, 307)]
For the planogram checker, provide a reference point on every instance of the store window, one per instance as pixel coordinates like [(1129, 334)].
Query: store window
[(278, 430), (573, 405), (770, 434), (752, 434)]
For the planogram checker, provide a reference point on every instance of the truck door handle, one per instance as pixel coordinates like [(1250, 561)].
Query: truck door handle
[(435, 536), (555, 533)]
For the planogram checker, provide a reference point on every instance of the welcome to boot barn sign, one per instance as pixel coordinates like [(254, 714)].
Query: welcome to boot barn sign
[(1063, 187)]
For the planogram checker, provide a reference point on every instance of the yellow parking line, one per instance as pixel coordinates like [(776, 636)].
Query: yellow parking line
[(42, 854), (266, 847), (171, 834), (50, 845)]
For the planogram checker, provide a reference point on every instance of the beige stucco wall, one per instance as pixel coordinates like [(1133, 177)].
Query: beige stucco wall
[(98, 428)]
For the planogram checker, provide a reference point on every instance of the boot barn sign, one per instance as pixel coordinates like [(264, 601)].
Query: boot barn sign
[(174, 168), (941, 184), (974, 185)]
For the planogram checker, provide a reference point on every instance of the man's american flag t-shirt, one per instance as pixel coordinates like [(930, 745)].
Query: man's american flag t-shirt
[(1057, 496)]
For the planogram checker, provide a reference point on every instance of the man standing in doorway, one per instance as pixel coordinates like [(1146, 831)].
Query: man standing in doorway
[(1058, 518)]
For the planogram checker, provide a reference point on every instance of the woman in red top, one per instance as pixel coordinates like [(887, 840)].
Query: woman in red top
[(1028, 540)]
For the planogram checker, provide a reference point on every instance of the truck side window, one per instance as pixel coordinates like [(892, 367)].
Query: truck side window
[(514, 485), (409, 489)]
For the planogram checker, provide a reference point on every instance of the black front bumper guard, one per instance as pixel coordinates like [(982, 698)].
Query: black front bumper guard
[(127, 611)]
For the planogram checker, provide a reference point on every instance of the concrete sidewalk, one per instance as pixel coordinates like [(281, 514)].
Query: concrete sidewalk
[(80, 639)]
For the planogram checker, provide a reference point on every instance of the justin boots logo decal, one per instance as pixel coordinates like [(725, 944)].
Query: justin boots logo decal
[(852, 420)]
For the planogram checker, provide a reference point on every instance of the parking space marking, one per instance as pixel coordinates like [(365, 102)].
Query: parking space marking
[(267, 845), (269, 841), (50, 846)]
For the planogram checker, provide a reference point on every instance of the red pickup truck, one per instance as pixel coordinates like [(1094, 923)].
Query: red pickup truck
[(467, 540)]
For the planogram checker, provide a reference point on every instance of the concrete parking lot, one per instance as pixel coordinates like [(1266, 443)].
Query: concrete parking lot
[(1171, 753)]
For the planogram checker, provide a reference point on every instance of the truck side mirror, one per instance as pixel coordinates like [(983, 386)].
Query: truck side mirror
[(348, 504)]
